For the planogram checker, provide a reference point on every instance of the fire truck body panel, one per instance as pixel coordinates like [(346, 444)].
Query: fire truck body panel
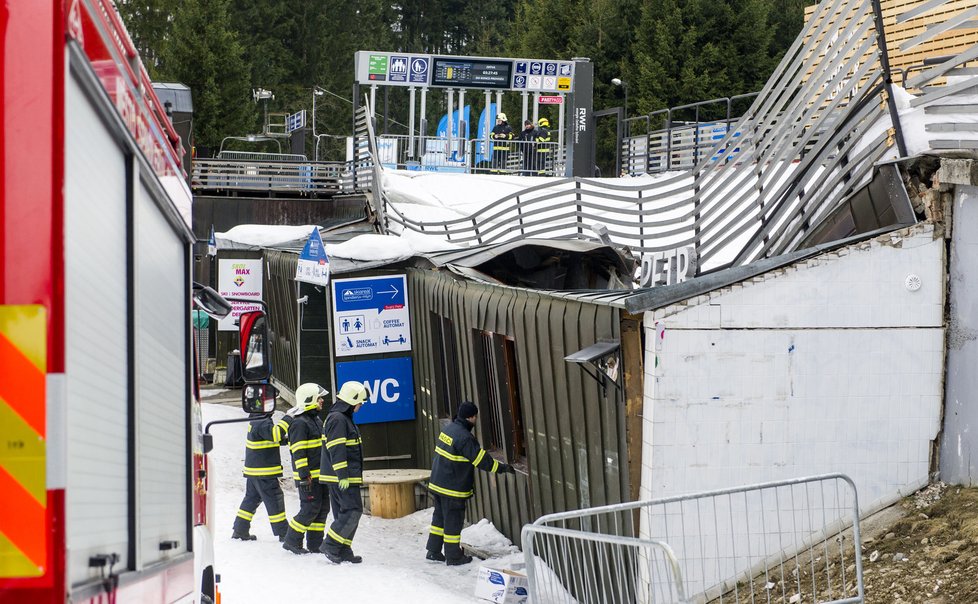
[(94, 217)]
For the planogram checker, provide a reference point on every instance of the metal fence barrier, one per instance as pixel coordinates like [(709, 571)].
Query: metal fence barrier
[(252, 174), (471, 156), (788, 542)]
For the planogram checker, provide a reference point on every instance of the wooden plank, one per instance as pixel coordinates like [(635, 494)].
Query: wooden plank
[(633, 380)]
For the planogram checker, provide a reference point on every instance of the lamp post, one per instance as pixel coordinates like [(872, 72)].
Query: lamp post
[(316, 91), (263, 94), (624, 87)]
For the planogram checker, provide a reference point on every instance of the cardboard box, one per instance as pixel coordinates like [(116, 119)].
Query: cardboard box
[(502, 585)]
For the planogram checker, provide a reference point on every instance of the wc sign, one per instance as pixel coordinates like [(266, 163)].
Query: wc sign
[(390, 388)]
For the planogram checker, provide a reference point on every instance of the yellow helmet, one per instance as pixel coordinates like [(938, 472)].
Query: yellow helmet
[(544, 122), (307, 395), (353, 393)]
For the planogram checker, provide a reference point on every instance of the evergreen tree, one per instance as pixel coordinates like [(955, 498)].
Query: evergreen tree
[(203, 52), (147, 22)]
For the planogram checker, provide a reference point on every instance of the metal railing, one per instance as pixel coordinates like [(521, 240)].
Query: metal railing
[(470, 156), (261, 176), (789, 542)]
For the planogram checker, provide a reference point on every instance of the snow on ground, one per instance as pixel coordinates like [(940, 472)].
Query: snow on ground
[(393, 568)]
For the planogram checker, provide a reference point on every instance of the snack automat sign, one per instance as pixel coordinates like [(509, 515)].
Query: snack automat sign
[(371, 315), (241, 278)]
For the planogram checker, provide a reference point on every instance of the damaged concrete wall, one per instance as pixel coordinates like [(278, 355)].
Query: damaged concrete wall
[(959, 448), (833, 364)]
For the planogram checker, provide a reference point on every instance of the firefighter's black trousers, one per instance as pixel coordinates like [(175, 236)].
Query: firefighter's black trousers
[(311, 519), (446, 525), (347, 509), (258, 490)]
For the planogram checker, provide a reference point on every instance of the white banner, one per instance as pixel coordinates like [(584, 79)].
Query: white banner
[(239, 279)]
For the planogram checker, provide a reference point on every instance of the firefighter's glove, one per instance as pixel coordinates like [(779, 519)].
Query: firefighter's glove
[(505, 468), (344, 484)]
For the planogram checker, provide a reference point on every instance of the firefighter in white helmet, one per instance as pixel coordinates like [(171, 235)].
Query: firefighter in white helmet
[(306, 443), (342, 470)]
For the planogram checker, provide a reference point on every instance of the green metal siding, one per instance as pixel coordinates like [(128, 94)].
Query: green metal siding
[(575, 436)]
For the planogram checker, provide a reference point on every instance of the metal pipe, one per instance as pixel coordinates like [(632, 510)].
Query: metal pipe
[(411, 94)]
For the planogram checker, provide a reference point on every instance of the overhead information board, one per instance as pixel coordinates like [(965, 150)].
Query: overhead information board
[(487, 73), (471, 73)]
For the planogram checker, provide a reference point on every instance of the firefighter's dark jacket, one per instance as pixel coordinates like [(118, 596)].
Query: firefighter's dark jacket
[(305, 443), (343, 450), (265, 436), (457, 453), (502, 132)]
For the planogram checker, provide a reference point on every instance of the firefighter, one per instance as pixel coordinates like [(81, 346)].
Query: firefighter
[(527, 138), (306, 443), (457, 453), (502, 131), (544, 150), (342, 467), (262, 468)]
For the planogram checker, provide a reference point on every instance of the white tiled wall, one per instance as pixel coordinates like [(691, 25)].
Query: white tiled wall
[(829, 365)]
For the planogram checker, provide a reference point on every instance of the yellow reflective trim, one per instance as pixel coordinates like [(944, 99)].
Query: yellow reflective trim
[(299, 528), (340, 465), (269, 471), (314, 473), (445, 439), (352, 442), (453, 538), (305, 444), (449, 492), (245, 515), (317, 527), (277, 518), (478, 458), (301, 463), (336, 441), (448, 455), (338, 538), (328, 478), (495, 465), (260, 444), (436, 530)]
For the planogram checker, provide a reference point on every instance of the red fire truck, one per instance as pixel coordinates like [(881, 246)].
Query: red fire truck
[(102, 469)]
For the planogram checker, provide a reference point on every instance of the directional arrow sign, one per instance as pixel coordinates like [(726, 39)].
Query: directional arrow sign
[(371, 315)]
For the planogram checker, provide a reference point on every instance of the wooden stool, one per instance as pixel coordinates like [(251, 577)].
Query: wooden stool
[(392, 491)]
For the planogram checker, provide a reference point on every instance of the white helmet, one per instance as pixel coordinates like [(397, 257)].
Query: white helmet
[(353, 393), (307, 395), (501, 116)]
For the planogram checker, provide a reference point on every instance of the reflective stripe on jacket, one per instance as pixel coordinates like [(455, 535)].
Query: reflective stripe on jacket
[(305, 443), (457, 454), (265, 436)]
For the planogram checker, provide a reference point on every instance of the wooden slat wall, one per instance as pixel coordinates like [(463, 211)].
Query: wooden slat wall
[(949, 43), (576, 441)]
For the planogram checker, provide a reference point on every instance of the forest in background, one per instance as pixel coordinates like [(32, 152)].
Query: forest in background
[(669, 52)]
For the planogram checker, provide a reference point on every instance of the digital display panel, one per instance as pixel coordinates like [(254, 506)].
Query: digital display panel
[(471, 73)]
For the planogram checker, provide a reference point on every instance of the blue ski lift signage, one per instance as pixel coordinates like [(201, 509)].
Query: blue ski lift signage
[(371, 315), (390, 388), (313, 265)]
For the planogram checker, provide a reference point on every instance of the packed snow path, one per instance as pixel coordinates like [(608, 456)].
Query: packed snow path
[(393, 568)]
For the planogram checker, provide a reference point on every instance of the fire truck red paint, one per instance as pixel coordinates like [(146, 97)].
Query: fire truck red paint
[(82, 125)]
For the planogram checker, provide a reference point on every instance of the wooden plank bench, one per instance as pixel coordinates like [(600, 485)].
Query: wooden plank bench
[(392, 491)]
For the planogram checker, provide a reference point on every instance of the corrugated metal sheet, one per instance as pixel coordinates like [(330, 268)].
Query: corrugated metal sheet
[(576, 445)]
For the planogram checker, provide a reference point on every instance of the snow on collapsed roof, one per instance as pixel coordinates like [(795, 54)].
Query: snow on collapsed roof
[(365, 247)]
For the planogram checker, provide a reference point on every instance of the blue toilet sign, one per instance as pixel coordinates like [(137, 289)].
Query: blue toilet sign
[(390, 388)]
